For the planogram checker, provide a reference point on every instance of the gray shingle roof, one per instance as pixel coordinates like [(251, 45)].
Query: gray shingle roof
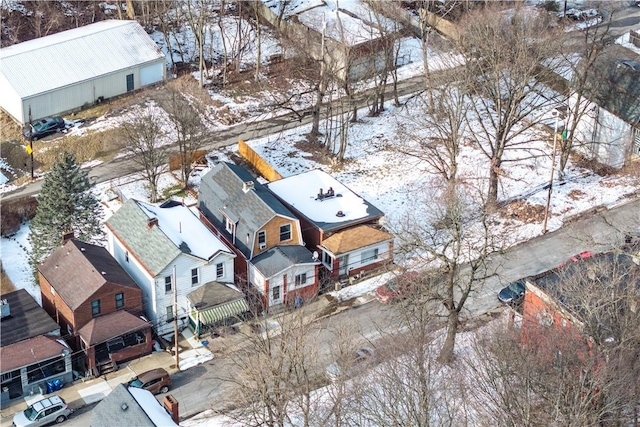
[(221, 190), (615, 84), (112, 408), (279, 258), (149, 245), (27, 319)]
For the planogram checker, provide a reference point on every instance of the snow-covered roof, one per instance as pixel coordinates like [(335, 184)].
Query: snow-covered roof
[(154, 410), (350, 22), (185, 230), (76, 55), (302, 192)]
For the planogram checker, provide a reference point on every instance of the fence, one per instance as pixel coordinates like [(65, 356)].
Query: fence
[(260, 164)]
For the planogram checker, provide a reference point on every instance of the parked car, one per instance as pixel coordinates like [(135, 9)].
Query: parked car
[(350, 366), (156, 381), (52, 409), (43, 127), (397, 287), (576, 258), (512, 294)]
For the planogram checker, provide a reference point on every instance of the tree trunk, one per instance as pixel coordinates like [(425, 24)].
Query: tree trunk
[(447, 355), (492, 196)]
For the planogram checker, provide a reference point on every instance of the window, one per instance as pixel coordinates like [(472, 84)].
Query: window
[(194, 276), (301, 279), (368, 256), (129, 82), (167, 284), (262, 239), (275, 293), (219, 270), (119, 300), (636, 141), (285, 232), (170, 313), (229, 225), (126, 256), (95, 307)]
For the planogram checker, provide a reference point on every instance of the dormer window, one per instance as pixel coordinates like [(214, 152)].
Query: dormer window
[(230, 226), (285, 232)]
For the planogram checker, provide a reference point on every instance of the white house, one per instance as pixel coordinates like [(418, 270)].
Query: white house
[(169, 253), (66, 71), (609, 129)]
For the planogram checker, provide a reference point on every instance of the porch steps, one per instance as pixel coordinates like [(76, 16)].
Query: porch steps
[(107, 366)]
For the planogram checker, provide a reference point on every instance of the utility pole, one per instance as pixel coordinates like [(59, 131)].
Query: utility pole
[(553, 166), (175, 316), (31, 142)]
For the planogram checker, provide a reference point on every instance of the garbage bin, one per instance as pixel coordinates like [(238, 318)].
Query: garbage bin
[(57, 384), (50, 387)]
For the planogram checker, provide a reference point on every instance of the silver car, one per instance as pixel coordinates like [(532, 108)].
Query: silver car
[(48, 410)]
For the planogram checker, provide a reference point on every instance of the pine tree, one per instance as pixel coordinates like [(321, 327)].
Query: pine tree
[(65, 204)]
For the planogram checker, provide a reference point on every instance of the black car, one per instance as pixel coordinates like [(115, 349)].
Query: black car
[(513, 293), (43, 127)]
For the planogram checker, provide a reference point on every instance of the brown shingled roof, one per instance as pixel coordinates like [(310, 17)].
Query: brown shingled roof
[(76, 270), (29, 351), (354, 238), (103, 328)]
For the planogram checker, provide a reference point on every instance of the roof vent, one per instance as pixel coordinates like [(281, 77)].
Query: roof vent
[(151, 222), (340, 214), (247, 186), (6, 311)]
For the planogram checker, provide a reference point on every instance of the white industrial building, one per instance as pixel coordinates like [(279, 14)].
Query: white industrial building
[(72, 69)]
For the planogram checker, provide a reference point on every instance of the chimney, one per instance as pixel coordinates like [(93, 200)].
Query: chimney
[(151, 222), (6, 312), (247, 186), (171, 405), (66, 236)]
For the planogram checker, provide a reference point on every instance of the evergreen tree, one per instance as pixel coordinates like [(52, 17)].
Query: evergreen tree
[(65, 204)]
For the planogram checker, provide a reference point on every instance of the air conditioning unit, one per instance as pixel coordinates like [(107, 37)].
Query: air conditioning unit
[(263, 245)]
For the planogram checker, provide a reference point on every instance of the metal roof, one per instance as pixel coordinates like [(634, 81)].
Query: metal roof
[(72, 56)]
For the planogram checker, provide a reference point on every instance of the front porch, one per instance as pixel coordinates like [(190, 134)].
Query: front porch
[(114, 338)]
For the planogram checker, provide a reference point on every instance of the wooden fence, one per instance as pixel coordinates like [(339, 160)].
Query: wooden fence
[(260, 164)]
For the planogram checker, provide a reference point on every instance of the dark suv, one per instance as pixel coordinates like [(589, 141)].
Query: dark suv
[(156, 381), (43, 127)]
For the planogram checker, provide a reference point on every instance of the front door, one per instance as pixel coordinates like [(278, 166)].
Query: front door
[(344, 264), (275, 297), (129, 82)]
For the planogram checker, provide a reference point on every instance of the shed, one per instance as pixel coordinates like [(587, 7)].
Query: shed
[(72, 69)]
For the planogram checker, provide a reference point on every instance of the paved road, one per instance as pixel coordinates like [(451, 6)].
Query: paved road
[(203, 387)]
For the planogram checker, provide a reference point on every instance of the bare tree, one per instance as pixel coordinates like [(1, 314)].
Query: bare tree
[(276, 373), (587, 76), (142, 136), (449, 231), (198, 15), (504, 51), (185, 106)]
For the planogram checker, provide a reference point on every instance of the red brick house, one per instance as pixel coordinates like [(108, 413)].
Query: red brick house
[(340, 226), (96, 303)]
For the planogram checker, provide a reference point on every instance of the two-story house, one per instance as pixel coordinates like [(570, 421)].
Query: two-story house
[(337, 223), (96, 303), (169, 253), (265, 235), (32, 352)]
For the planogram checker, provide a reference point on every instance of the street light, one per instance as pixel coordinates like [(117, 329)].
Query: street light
[(556, 113)]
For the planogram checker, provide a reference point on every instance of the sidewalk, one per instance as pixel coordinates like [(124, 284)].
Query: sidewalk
[(85, 392)]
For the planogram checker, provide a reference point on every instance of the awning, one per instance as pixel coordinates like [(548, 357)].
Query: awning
[(215, 314)]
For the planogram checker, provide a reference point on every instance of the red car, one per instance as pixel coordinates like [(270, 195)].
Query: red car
[(576, 258), (397, 287)]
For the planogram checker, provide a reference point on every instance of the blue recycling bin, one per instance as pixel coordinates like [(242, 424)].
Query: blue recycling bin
[(50, 387), (57, 384)]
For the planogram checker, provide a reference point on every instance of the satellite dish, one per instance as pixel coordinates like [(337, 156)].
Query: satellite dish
[(315, 255)]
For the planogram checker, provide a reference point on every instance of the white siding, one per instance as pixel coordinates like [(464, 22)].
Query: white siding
[(150, 74), (137, 273), (184, 264), (355, 257)]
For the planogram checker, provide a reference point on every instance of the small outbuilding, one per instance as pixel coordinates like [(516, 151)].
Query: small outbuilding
[(76, 68)]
